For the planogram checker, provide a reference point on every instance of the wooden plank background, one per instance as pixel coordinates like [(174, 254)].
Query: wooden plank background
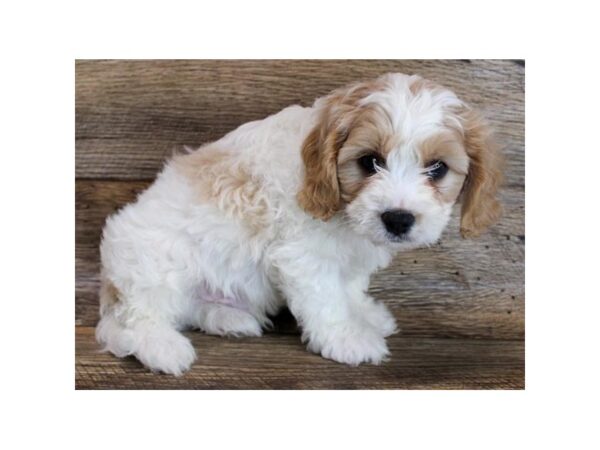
[(131, 115), (282, 362)]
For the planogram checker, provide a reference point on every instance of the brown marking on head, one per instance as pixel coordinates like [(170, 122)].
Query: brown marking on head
[(446, 146), (330, 179), (371, 134)]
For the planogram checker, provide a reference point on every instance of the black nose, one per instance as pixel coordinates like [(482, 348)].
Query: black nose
[(398, 221)]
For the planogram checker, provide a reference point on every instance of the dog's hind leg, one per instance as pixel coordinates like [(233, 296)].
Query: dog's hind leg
[(157, 345), (127, 331)]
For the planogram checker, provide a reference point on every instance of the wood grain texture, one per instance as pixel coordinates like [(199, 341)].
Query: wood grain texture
[(131, 115), (279, 361), (458, 288)]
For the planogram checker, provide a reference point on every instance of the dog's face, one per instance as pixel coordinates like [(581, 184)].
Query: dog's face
[(393, 155)]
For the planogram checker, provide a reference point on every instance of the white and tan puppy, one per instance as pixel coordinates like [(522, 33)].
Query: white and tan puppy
[(297, 209)]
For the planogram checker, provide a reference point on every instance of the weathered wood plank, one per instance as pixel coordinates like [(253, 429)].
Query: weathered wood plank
[(96, 199), (281, 362), (470, 288), (131, 115), (477, 311)]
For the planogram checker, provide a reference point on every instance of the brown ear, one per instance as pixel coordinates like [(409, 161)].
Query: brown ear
[(480, 207), (320, 194)]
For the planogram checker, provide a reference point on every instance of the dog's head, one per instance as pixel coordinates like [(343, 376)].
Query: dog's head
[(393, 155)]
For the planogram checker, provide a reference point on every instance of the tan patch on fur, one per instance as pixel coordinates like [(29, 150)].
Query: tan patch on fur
[(109, 294), (371, 134), (331, 177), (219, 179), (320, 195), (422, 84), (446, 146), (480, 206), (351, 180)]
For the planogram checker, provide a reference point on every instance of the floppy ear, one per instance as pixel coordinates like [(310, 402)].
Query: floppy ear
[(320, 193), (480, 207)]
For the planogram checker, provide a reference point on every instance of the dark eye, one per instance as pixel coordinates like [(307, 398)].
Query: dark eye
[(368, 163), (436, 170)]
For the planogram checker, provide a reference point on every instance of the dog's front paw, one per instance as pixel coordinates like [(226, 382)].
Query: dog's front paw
[(350, 343), (166, 351), (378, 315)]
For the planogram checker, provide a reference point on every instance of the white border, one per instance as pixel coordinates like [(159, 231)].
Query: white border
[(41, 41)]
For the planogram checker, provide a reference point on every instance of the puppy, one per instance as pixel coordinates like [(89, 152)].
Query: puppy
[(297, 209)]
